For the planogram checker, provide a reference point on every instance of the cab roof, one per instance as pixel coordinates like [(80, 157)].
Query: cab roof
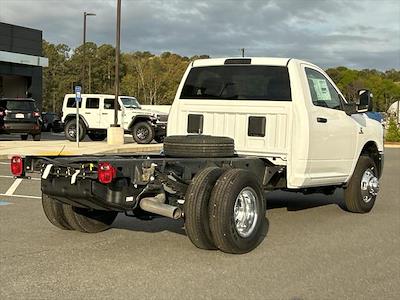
[(271, 61), (268, 61)]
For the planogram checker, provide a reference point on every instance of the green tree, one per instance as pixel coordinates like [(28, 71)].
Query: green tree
[(393, 131)]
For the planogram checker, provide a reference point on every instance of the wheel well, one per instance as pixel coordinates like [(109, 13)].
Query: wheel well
[(137, 120), (70, 117), (370, 149)]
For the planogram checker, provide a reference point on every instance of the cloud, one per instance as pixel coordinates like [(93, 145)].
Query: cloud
[(358, 34)]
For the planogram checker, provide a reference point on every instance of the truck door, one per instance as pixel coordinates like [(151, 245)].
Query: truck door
[(107, 113), (332, 133), (91, 112)]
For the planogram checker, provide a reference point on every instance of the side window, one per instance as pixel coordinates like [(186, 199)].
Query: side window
[(92, 103), (71, 102), (109, 104), (322, 91)]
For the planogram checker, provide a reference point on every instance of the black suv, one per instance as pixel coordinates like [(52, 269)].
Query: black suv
[(20, 116), (51, 122)]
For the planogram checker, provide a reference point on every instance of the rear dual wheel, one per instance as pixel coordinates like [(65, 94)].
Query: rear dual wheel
[(225, 210), (68, 217)]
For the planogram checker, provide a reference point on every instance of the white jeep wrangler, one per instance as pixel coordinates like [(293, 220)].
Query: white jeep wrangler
[(96, 113)]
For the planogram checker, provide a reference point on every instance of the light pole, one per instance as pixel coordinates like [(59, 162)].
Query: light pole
[(85, 14), (117, 50), (115, 133)]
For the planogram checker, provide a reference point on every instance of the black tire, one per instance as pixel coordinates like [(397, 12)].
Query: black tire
[(36, 137), (353, 194), (97, 136), (24, 137), (196, 208), (70, 130), (54, 212), (198, 146), (143, 132), (87, 220), (222, 217)]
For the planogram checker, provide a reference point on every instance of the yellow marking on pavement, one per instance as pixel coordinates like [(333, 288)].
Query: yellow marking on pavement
[(56, 153)]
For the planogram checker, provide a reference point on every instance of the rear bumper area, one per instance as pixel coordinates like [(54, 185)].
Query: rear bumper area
[(89, 193), (27, 128)]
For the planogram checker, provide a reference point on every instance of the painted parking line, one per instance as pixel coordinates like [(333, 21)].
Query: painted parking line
[(21, 196), (3, 203), (13, 187)]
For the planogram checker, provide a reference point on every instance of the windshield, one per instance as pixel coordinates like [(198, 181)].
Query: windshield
[(250, 82), (19, 105), (130, 102)]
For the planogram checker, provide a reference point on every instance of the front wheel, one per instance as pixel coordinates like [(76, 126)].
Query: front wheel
[(237, 212), (143, 133), (363, 187)]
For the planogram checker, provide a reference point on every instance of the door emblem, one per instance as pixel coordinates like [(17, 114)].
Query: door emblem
[(361, 131)]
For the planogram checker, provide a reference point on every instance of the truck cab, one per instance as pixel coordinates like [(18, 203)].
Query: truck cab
[(287, 111)]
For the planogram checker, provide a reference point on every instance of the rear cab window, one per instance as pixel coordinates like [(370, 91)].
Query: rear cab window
[(18, 105), (238, 82)]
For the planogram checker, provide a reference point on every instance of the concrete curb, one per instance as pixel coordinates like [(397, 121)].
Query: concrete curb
[(126, 148), (396, 145)]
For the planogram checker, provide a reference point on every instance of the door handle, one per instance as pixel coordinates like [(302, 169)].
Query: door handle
[(87, 113), (104, 113), (322, 120)]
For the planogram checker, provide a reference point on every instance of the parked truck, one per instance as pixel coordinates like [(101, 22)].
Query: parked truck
[(238, 127)]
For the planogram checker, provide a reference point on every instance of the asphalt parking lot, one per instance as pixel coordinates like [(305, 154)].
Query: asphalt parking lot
[(313, 250)]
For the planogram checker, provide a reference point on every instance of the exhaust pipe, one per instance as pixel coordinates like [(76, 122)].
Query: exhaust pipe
[(157, 206)]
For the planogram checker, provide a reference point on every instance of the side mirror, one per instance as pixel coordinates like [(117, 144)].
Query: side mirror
[(364, 101)]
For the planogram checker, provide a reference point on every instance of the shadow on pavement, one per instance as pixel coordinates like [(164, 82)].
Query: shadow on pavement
[(157, 224), (298, 201)]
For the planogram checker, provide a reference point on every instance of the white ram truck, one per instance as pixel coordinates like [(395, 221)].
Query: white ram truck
[(238, 127)]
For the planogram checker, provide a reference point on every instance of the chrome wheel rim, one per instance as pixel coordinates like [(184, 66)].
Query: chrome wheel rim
[(245, 212), (72, 131), (369, 185), (142, 133)]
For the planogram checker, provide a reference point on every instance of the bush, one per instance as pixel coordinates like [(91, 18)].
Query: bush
[(393, 131)]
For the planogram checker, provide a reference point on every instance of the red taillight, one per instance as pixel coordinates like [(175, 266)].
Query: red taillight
[(17, 165), (106, 172), (36, 114)]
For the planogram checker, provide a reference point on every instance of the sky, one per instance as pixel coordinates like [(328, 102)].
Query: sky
[(356, 34)]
